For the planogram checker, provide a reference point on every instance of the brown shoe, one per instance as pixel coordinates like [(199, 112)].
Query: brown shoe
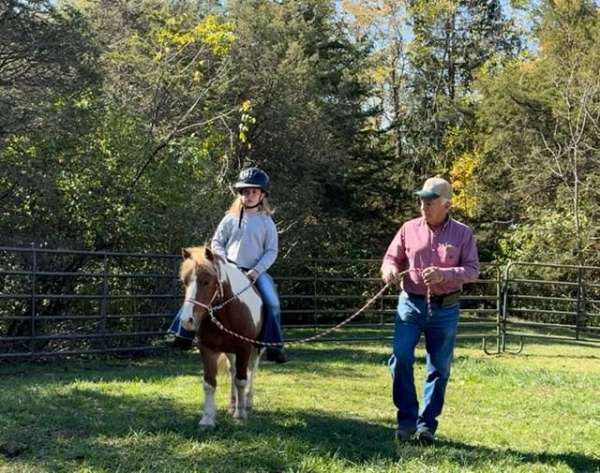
[(425, 437), (404, 435)]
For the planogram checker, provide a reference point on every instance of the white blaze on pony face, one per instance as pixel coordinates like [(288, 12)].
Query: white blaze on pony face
[(186, 316), (239, 281)]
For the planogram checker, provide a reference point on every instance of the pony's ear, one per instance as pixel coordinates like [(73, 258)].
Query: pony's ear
[(208, 253), (185, 253)]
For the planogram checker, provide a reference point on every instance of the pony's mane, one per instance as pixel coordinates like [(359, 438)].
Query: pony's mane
[(197, 259)]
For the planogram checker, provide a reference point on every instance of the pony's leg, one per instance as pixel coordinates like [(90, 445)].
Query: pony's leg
[(252, 369), (233, 395), (241, 381), (209, 415)]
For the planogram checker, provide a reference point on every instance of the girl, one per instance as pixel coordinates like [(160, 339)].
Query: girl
[(247, 237)]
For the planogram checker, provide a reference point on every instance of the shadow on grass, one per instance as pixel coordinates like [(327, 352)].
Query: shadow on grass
[(558, 355), (324, 360), (476, 454), (105, 430), (335, 354)]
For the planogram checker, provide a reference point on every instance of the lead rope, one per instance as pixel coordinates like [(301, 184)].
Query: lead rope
[(212, 309), (428, 298)]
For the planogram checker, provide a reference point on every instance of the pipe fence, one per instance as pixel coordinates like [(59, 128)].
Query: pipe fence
[(70, 303)]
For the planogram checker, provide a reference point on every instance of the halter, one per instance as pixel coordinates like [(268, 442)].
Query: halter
[(214, 308), (210, 308)]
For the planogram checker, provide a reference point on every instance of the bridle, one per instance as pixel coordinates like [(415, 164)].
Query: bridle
[(211, 308)]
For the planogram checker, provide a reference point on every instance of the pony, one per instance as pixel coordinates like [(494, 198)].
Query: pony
[(213, 284)]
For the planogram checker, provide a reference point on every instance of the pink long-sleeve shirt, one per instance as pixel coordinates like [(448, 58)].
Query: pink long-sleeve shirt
[(451, 248)]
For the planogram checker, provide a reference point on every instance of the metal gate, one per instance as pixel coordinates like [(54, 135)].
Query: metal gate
[(553, 302)]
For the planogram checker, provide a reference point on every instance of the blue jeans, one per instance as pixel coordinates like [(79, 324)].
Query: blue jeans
[(440, 334), (178, 330), (271, 329)]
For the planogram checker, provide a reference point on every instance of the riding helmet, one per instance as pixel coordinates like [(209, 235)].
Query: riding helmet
[(252, 177)]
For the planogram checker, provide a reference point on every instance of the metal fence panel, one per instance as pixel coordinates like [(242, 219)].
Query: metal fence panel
[(61, 302)]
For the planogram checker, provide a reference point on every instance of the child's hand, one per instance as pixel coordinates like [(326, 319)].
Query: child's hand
[(253, 275), (389, 273)]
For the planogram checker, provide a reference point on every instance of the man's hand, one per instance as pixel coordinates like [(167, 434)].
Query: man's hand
[(432, 275), (253, 275), (389, 273)]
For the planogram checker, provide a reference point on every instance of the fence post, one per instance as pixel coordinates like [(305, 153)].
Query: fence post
[(33, 297), (498, 307), (583, 313), (505, 306), (579, 302), (381, 310), (315, 297), (103, 300)]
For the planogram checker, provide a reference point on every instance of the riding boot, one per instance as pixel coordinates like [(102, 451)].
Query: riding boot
[(182, 344), (277, 355)]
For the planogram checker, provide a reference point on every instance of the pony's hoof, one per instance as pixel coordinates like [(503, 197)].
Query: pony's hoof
[(240, 421), (240, 415), (206, 424), (206, 427)]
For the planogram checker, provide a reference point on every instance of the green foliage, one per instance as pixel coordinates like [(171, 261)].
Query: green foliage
[(538, 125), (134, 161), (453, 40), (46, 56), (547, 236), (426, 57), (122, 123), (301, 74)]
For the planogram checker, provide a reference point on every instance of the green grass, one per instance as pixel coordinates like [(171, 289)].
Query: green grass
[(328, 410)]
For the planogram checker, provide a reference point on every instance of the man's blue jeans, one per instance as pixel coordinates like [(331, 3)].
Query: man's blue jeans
[(412, 320), (271, 330)]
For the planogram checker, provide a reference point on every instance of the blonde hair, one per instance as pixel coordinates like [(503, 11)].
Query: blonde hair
[(236, 207)]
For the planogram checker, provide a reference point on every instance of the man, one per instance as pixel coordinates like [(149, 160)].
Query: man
[(440, 256)]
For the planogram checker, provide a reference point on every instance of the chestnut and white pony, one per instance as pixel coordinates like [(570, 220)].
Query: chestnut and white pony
[(209, 282)]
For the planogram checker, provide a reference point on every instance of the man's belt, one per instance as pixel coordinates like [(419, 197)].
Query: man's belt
[(445, 300)]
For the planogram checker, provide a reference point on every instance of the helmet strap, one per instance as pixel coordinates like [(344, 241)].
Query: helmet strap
[(241, 217), (243, 207)]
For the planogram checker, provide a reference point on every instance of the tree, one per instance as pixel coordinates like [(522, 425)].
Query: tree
[(98, 181), (45, 55), (452, 41), (426, 57), (541, 117), (302, 75)]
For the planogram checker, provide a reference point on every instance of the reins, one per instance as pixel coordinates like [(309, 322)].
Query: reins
[(211, 309)]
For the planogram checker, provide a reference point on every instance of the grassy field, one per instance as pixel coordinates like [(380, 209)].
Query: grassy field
[(328, 410)]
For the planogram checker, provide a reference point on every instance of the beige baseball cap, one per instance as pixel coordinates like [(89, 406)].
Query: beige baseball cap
[(435, 187)]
